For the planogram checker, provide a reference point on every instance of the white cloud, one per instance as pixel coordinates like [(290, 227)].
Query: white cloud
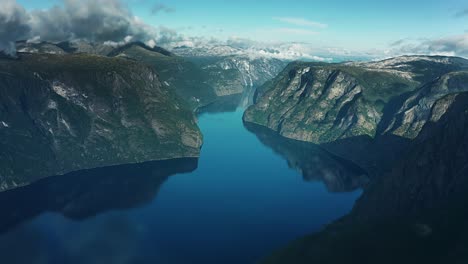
[(108, 21), (302, 22), (455, 45), (159, 7), (14, 25), (196, 46)]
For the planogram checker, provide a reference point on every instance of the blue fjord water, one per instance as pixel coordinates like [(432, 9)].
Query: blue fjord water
[(242, 201)]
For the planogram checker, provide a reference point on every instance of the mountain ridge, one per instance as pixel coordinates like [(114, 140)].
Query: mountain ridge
[(341, 97)]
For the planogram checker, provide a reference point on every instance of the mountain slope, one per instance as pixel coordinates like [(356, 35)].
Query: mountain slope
[(186, 79), (321, 103), (432, 172), (417, 213), (60, 113), (424, 105), (200, 81)]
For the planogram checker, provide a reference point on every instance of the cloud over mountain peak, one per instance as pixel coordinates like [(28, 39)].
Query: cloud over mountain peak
[(91, 20)]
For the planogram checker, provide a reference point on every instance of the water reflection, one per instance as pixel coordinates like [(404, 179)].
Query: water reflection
[(314, 163), (240, 204), (82, 194)]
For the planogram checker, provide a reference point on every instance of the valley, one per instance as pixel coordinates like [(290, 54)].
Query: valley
[(348, 152)]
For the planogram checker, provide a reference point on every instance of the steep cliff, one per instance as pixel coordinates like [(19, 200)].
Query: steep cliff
[(321, 103), (60, 113), (424, 105)]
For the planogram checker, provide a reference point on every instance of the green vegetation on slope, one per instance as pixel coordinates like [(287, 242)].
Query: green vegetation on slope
[(61, 113), (187, 80)]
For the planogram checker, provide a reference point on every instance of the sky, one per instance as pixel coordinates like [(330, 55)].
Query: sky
[(325, 27)]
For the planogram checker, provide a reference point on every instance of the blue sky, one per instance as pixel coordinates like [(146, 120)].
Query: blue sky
[(360, 25), (348, 21)]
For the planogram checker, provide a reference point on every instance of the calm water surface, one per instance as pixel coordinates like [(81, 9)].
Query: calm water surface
[(242, 200)]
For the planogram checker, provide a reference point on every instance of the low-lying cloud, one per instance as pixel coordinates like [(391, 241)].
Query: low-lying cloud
[(14, 24), (112, 22), (91, 20), (191, 46), (456, 45)]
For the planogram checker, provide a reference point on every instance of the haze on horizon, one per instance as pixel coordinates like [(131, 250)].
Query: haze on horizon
[(285, 29)]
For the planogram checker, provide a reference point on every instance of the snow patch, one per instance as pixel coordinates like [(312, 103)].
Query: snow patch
[(60, 89), (67, 126), (52, 105), (69, 93)]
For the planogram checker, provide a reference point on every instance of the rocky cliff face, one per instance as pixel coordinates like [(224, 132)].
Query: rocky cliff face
[(64, 113), (424, 105), (322, 103), (402, 121)]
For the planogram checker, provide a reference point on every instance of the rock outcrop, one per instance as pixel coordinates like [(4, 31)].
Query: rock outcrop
[(424, 105)]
